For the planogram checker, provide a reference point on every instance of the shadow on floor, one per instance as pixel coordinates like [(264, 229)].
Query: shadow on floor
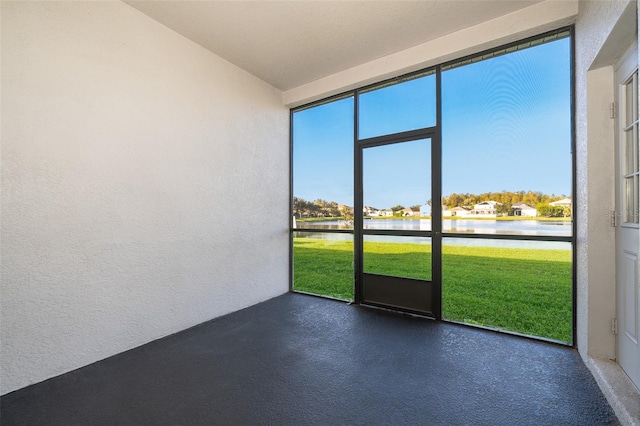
[(302, 360)]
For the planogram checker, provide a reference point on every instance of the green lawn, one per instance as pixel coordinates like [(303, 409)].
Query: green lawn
[(523, 290)]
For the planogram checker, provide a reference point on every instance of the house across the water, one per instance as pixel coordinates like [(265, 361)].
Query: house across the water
[(522, 209)]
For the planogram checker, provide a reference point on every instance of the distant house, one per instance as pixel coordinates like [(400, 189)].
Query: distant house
[(565, 202), (456, 211), (486, 209), (525, 210), (407, 212), (370, 211), (385, 212)]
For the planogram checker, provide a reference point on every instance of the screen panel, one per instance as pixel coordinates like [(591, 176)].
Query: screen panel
[(397, 186), (519, 286), (398, 256), (506, 125), (403, 106), (323, 165), (323, 264)]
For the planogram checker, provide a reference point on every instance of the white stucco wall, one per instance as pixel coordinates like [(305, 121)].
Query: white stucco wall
[(595, 174), (144, 186)]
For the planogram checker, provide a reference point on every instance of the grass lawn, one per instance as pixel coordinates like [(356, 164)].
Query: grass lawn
[(523, 290)]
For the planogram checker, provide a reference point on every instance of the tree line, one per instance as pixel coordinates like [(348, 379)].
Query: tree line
[(507, 199), (537, 200), (530, 198), (316, 208)]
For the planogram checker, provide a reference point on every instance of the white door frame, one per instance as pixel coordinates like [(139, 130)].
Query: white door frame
[(627, 229)]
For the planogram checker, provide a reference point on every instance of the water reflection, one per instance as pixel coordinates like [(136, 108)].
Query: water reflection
[(519, 227), (506, 227), (509, 227)]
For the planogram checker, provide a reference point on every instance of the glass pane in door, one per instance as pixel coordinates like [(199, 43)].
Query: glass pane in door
[(631, 165), (397, 268), (397, 256), (397, 186), (630, 199), (630, 150)]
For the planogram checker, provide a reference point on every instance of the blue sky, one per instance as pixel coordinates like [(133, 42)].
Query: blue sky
[(506, 126)]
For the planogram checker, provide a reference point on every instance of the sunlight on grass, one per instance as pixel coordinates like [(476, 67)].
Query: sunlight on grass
[(397, 259), (522, 290), (323, 267)]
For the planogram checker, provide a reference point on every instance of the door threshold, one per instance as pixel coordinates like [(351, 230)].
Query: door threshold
[(617, 388)]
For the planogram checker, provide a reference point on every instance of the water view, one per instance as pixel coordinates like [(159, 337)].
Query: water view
[(552, 228), (504, 173), (508, 227)]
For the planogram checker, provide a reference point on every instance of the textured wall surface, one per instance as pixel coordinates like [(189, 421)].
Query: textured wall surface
[(595, 179), (144, 186)]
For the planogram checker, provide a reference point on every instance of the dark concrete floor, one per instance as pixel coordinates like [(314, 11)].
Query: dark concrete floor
[(301, 360)]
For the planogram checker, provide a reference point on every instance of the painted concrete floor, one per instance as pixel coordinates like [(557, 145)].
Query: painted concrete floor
[(301, 360)]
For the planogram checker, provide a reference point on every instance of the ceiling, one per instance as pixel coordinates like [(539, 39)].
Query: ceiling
[(291, 43)]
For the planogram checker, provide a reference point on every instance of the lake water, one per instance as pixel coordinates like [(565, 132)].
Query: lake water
[(462, 226)]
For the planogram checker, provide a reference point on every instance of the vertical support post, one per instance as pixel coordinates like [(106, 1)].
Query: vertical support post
[(291, 220), (357, 206), (436, 203), (574, 195)]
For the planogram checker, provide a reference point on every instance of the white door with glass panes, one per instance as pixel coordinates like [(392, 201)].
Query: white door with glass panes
[(627, 229)]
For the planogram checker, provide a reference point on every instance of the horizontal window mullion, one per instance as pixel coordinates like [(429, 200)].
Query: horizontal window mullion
[(323, 230), (427, 132), (559, 238), (405, 233), (397, 232)]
